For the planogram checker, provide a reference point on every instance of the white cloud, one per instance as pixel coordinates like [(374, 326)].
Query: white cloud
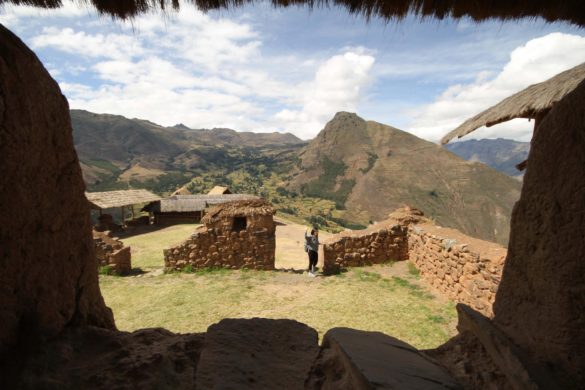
[(338, 86), (534, 62), (117, 46)]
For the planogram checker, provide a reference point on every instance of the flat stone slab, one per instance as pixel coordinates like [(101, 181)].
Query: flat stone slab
[(257, 353), (355, 359)]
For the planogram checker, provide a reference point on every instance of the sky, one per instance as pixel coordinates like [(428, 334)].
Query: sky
[(262, 69)]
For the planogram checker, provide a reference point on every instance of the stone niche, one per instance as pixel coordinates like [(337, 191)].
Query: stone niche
[(111, 252), (235, 235)]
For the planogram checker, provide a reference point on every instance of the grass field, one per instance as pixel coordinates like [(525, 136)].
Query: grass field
[(389, 298)]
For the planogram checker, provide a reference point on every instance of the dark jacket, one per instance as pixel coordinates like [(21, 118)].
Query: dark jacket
[(311, 242)]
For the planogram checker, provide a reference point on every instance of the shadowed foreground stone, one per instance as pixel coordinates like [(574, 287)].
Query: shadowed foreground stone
[(257, 354), (355, 359), (94, 358)]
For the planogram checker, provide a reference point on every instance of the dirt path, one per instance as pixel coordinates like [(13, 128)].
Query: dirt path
[(290, 251)]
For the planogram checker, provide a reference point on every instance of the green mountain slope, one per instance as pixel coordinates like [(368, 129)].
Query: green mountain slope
[(369, 169)]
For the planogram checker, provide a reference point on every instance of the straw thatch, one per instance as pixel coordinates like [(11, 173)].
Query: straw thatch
[(566, 10), (219, 190), (111, 199), (181, 191), (190, 203), (528, 103), (239, 208)]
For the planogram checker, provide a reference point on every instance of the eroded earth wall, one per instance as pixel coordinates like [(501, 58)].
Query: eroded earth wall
[(48, 271), (540, 303)]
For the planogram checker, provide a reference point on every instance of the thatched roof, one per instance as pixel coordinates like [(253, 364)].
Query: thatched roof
[(219, 190), (181, 191), (535, 99), (190, 203), (111, 199), (239, 208), (566, 10)]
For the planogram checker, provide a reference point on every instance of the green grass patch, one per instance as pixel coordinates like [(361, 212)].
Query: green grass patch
[(412, 270)]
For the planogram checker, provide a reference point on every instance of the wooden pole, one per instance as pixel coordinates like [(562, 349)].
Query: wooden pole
[(132, 211)]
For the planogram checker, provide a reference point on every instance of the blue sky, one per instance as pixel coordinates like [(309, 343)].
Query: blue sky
[(258, 68)]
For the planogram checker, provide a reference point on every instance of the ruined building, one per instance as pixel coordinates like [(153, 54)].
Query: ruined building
[(238, 234)]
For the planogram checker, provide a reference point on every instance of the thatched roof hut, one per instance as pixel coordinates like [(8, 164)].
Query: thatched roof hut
[(190, 203), (240, 208), (530, 103), (111, 199), (219, 190), (566, 10), (181, 191)]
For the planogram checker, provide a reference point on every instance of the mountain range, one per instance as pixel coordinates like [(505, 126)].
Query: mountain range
[(500, 154), (354, 172)]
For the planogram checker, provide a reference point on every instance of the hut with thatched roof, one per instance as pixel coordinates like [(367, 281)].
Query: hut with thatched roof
[(219, 190), (188, 208), (123, 199), (238, 234)]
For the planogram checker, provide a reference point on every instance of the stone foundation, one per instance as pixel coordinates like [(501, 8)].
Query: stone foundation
[(112, 252), (379, 244)]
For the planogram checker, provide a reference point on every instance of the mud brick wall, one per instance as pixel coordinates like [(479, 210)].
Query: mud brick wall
[(112, 252), (252, 248), (464, 269), (377, 245)]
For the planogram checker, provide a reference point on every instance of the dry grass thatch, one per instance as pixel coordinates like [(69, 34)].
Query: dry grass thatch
[(567, 10), (219, 190), (528, 103), (240, 208), (190, 203), (111, 199), (181, 191)]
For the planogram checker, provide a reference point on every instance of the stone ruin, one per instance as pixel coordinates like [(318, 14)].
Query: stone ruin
[(111, 252), (378, 244), (465, 269), (239, 234), (57, 332)]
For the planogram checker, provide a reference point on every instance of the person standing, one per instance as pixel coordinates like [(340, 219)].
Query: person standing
[(312, 248)]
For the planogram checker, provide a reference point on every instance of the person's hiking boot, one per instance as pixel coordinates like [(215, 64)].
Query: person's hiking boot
[(311, 274)]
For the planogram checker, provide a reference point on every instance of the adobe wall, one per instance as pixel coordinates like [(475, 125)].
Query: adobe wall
[(48, 270), (378, 244), (112, 252), (464, 269), (217, 246), (540, 304)]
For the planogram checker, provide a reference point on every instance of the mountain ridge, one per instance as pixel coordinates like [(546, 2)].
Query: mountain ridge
[(370, 168)]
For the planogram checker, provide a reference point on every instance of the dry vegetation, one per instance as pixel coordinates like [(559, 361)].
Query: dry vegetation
[(387, 298)]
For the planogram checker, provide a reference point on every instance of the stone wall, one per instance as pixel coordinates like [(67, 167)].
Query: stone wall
[(218, 245), (376, 245), (112, 252), (465, 269)]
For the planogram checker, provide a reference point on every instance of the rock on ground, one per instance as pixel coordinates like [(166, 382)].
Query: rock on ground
[(257, 354), (356, 359)]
